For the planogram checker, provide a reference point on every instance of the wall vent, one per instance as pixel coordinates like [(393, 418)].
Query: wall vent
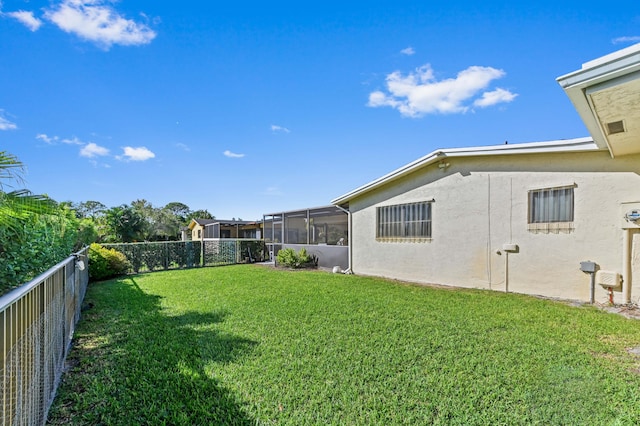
[(614, 127)]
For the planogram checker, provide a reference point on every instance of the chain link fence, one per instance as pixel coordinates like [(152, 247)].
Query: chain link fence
[(165, 255), (37, 322), (38, 319)]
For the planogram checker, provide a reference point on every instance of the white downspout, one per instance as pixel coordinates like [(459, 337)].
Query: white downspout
[(626, 265), (506, 271)]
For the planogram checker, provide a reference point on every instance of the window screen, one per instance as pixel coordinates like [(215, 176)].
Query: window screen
[(551, 205), (411, 220)]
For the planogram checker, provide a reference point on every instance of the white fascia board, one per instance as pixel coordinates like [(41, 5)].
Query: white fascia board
[(593, 73), (310, 209), (565, 145), (404, 170), (604, 68)]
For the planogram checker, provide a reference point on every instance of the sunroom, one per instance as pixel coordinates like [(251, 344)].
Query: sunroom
[(322, 231)]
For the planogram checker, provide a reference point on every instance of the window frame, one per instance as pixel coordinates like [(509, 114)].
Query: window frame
[(551, 208), (405, 222)]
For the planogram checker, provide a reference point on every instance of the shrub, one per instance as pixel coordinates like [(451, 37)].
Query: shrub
[(106, 263), (303, 256), (289, 258), (37, 244)]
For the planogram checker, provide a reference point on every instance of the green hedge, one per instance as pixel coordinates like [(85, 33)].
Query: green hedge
[(106, 263), (39, 243), (165, 255)]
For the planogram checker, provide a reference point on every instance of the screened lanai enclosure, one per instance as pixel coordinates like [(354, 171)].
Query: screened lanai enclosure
[(322, 231)]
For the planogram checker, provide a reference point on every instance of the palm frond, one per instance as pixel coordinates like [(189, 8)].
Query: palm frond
[(10, 167), (18, 205)]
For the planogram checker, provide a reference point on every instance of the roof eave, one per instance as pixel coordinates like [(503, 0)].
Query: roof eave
[(570, 145), (594, 74)]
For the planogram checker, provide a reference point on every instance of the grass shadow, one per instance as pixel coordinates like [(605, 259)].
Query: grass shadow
[(133, 363)]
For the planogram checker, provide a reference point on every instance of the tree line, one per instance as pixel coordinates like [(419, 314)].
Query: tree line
[(36, 232), (138, 221)]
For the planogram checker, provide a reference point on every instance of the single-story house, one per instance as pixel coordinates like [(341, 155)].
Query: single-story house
[(557, 218), (207, 229)]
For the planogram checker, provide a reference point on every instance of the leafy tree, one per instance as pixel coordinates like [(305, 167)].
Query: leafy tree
[(146, 210), (125, 223), (87, 232), (199, 214), (180, 210), (148, 223), (90, 209), (144, 207), (160, 223), (167, 224)]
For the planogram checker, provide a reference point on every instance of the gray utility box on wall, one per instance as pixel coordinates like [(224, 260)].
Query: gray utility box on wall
[(588, 266)]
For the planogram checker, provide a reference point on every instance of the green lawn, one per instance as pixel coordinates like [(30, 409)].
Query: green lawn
[(252, 345)]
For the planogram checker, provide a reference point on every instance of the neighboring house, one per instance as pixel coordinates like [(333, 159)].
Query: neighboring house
[(206, 229), (185, 233), (196, 228), (322, 231), (521, 217)]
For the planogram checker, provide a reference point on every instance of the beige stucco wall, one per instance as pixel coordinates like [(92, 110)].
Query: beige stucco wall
[(635, 267), (194, 232), (481, 204)]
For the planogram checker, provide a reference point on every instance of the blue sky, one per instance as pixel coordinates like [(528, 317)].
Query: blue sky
[(260, 107)]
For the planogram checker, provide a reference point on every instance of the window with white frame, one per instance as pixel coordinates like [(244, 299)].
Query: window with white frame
[(412, 220), (551, 205)]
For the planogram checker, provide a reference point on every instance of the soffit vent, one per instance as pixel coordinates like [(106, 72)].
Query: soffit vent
[(615, 127)]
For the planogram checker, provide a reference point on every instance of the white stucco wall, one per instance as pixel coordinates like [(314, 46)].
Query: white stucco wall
[(481, 203)]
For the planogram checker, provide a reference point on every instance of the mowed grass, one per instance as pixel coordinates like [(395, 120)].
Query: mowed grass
[(251, 345)]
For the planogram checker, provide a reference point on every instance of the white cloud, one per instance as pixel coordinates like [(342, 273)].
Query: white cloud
[(89, 150), (495, 97), (419, 93), (26, 18), (95, 21), (51, 140), (230, 154), (626, 39), (408, 51), (275, 129), (73, 141), (136, 154), (45, 138), (5, 124), (92, 150), (183, 147)]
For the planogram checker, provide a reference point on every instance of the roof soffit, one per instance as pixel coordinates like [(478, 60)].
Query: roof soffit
[(606, 93)]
